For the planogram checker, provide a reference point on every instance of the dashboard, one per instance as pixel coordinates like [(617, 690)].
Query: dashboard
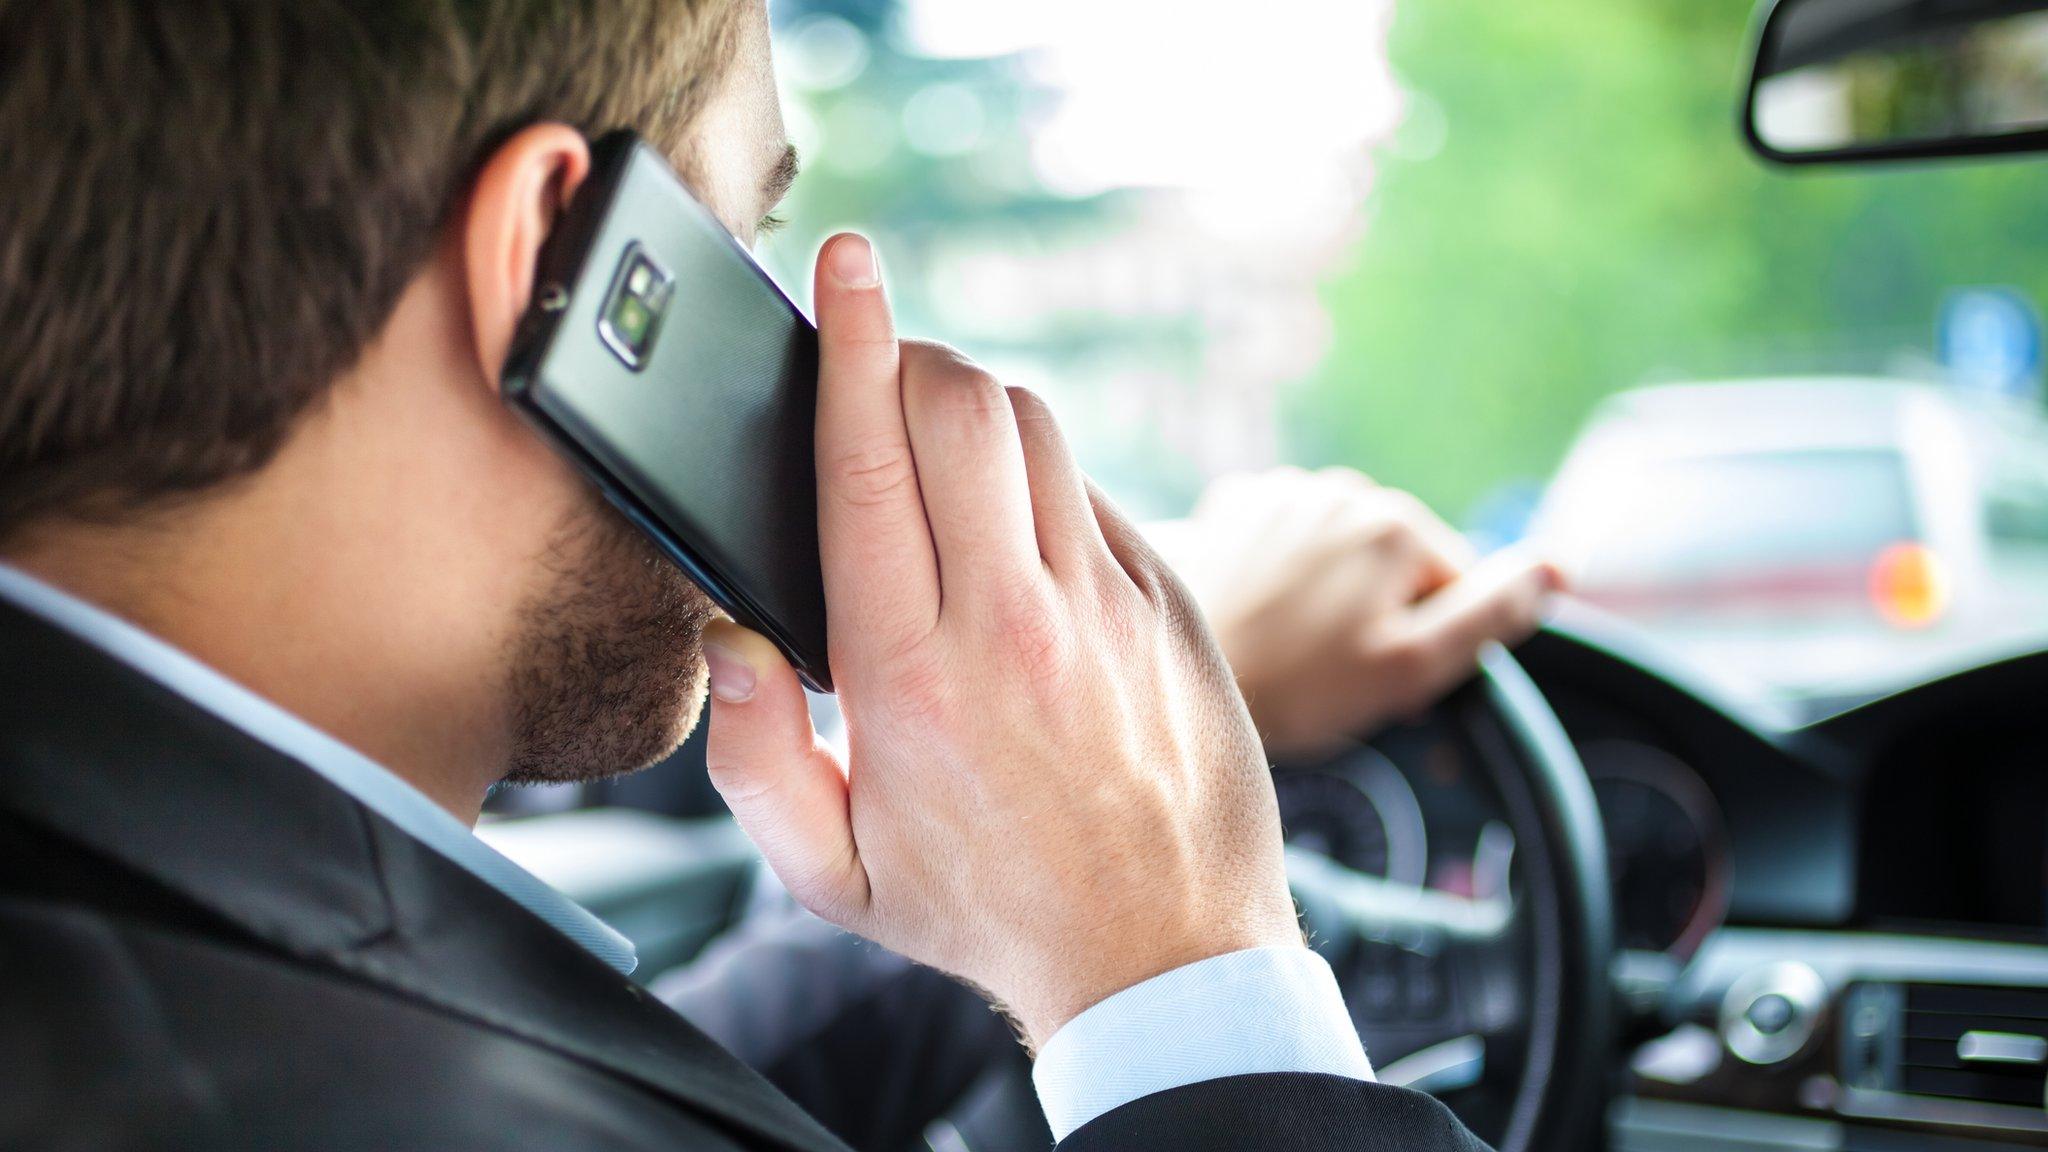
[(1844, 923), (1709, 819)]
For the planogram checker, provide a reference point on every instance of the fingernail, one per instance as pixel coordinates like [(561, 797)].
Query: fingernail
[(1553, 578), (852, 261), (732, 678)]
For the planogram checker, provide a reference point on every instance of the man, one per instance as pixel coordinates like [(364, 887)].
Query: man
[(288, 590)]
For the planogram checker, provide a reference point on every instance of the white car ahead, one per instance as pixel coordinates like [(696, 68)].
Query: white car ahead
[(1811, 536)]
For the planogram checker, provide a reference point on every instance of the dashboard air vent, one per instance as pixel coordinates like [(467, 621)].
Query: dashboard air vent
[(1984, 1044)]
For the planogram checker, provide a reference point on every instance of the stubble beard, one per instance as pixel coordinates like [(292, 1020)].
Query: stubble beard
[(607, 667)]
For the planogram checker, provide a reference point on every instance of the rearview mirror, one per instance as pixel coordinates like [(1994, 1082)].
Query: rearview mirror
[(1895, 79)]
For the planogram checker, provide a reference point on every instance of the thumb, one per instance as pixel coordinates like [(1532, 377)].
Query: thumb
[(1500, 600), (784, 785)]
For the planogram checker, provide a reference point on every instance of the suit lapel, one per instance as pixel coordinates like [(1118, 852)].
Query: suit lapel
[(461, 944), (109, 759)]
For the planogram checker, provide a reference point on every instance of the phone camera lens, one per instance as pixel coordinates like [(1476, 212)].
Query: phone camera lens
[(633, 314)]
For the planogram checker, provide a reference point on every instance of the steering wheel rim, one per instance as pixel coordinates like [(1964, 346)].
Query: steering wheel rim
[(1562, 852), (1555, 944)]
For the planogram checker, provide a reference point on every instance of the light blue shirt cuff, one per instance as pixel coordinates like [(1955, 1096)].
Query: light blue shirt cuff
[(1261, 1010)]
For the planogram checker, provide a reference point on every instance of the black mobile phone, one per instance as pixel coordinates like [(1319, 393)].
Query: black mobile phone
[(674, 372)]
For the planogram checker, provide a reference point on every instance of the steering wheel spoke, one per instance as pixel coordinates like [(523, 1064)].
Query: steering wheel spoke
[(1417, 966), (1372, 909)]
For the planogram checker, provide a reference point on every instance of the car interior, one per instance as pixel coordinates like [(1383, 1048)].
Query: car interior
[(1597, 898)]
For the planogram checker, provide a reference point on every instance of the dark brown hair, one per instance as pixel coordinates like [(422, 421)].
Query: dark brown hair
[(207, 209)]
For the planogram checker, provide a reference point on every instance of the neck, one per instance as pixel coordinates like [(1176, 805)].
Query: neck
[(326, 584)]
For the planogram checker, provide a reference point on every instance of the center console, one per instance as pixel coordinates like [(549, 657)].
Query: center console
[(1846, 1040)]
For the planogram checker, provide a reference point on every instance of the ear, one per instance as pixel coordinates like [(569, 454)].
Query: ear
[(517, 197)]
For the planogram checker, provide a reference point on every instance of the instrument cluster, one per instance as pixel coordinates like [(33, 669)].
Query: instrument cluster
[(1413, 807)]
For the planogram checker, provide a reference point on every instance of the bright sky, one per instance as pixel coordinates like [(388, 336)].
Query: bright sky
[(1195, 94)]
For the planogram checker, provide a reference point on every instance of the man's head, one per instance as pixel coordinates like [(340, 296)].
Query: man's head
[(260, 265)]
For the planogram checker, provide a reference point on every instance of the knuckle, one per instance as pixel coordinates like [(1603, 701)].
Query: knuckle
[(1018, 597), (924, 354), (1036, 644), (1382, 530), (867, 341), (873, 474), (736, 784), (944, 385), (1123, 618), (894, 638), (970, 394), (919, 688), (1030, 407), (929, 360), (1407, 661)]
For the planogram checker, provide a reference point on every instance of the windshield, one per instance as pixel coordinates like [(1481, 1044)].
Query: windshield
[(1343, 233)]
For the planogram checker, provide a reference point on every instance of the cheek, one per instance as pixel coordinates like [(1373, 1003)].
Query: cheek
[(526, 494), (525, 541)]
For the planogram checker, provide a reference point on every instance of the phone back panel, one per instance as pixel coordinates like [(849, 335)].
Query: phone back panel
[(707, 442)]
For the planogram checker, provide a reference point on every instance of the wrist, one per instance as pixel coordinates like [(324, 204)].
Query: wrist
[(1079, 984)]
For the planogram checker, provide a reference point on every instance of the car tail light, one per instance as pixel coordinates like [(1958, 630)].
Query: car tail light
[(1909, 586)]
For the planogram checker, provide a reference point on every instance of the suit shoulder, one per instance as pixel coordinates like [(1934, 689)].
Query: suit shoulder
[(132, 1035)]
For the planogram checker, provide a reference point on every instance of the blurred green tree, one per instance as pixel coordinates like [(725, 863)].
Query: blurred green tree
[(1567, 210)]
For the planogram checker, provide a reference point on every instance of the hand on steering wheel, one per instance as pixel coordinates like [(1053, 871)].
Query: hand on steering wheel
[(1342, 605)]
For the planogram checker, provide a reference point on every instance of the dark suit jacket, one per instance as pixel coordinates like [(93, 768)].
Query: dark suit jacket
[(203, 944)]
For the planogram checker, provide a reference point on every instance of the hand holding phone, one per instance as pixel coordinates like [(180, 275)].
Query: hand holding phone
[(1052, 789)]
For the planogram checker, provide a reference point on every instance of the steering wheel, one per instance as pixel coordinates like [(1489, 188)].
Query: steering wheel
[(1500, 1006)]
